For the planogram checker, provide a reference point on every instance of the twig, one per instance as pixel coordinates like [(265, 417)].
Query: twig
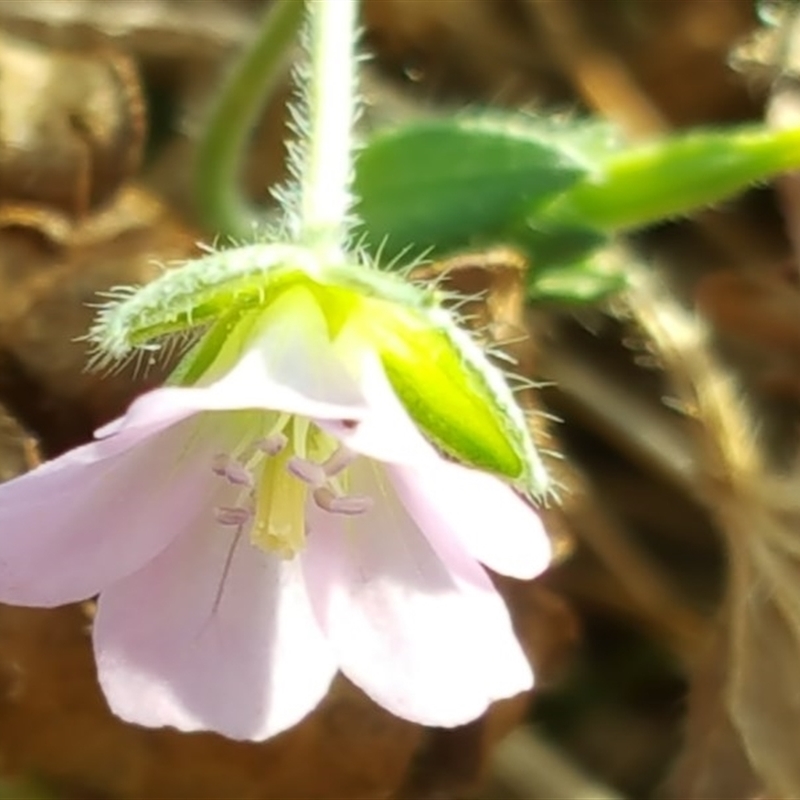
[(526, 767), (621, 416)]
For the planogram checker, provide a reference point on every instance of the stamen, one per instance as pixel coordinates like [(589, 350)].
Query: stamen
[(226, 467), (219, 464), (238, 474), (274, 444), (231, 515), (339, 460), (347, 504), (306, 471)]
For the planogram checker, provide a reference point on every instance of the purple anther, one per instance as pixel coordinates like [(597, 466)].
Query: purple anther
[(237, 474), (339, 460), (219, 464), (350, 505), (226, 467), (230, 515), (306, 471), (272, 445)]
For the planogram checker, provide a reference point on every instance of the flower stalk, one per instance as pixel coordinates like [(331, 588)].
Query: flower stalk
[(326, 168)]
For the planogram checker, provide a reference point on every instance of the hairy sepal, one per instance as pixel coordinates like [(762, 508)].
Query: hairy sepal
[(195, 296), (455, 394)]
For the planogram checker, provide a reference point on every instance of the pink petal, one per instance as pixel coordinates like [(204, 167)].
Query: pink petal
[(76, 524), (192, 643), (422, 637), (496, 526), (385, 432), (291, 366), (446, 500)]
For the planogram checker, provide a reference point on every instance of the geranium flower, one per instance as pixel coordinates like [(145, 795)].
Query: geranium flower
[(280, 519)]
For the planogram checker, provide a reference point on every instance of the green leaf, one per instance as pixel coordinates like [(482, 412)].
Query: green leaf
[(673, 177), (550, 245), (445, 184), (588, 281)]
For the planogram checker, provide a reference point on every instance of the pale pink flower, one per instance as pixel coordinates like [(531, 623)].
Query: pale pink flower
[(249, 537)]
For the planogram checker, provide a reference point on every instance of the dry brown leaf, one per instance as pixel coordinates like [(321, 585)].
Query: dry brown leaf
[(764, 682), (46, 297), (72, 128), (55, 725), (482, 47), (18, 449), (745, 703), (171, 30)]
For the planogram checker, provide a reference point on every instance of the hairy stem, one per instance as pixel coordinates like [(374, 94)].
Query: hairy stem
[(327, 163)]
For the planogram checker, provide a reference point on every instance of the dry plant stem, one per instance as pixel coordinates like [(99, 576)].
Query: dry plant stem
[(783, 111), (655, 597), (648, 438), (759, 515), (645, 433), (599, 75), (655, 441), (728, 456), (526, 767)]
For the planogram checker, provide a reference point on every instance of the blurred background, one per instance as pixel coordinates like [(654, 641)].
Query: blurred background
[(101, 105)]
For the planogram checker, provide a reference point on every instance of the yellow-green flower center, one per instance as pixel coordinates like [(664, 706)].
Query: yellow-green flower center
[(277, 475)]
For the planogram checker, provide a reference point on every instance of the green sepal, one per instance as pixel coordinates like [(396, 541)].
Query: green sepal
[(197, 362), (445, 184), (455, 395), (194, 296)]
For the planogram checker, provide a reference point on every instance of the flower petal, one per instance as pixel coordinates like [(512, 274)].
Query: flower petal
[(290, 366), (421, 636), (446, 500), (385, 432), (214, 634), (496, 526), (80, 522)]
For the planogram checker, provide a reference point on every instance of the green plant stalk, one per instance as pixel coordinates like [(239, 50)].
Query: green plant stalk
[(222, 206), (326, 168), (676, 177)]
